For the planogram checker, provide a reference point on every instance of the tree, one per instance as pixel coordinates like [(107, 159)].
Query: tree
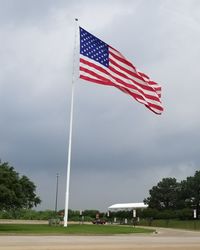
[(16, 192), (190, 191), (165, 195)]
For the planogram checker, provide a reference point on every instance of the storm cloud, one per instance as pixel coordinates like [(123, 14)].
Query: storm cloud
[(119, 148)]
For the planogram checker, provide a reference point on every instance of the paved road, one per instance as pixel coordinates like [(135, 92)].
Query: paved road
[(165, 239)]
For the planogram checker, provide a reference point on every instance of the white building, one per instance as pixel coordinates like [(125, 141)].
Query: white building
[(127, 206)]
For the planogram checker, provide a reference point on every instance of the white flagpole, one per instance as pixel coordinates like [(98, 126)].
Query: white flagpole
[(70, 135)]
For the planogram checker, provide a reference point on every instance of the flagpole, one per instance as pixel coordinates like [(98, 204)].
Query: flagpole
[(70, 134)]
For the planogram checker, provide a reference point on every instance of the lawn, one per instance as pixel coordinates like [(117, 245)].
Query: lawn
[(21, 229), (179, 224)]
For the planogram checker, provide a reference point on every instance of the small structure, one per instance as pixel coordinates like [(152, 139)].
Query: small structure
[(127, 206)]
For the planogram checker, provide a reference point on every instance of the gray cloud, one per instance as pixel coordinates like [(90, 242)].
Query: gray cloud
[(120, 149)]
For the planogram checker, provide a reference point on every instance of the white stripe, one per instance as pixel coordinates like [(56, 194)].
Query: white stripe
[(83, 73), (109, 77), (95, 78), (148, 92), (138, 99), (123, 64), (118, 84), (132, 77), (153, 87), (143, 75), (132, 69), (144, 82)]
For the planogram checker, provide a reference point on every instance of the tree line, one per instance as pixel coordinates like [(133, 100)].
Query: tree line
[(168, 199), (171, 195)]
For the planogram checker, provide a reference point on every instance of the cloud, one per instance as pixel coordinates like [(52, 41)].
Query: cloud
[(119, 148)]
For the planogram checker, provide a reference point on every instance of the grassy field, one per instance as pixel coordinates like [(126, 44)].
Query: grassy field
[(22, 229), (179, 224)]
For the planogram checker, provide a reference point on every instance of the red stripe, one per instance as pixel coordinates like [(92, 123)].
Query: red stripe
[(122, 59), (134, 87), (93, 65), (111, 84), (141, 96), (139, 75), (145, 87), (96, 80), (126, 70), (108, 82), (151, 106), (143, 75), (153, 85), (100, 77), (124, 89)]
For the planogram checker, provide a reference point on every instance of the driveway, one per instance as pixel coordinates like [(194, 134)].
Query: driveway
[(164, 239)]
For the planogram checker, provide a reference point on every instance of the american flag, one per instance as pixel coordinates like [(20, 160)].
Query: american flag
[(100, 63)]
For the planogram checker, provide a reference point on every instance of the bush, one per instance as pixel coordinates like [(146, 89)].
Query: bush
[(185, 214), (89, 215), (182, 214), (149, 213), (5, 215)]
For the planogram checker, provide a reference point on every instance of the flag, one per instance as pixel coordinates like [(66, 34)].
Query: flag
[(100, 63)]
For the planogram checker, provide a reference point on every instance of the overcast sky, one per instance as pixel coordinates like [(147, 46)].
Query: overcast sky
[(120, 149)]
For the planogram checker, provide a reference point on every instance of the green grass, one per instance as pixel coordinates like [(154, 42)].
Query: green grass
[(179, 224), (70, 230)]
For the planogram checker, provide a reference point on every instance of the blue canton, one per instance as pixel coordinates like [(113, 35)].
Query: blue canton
[(93, 48)]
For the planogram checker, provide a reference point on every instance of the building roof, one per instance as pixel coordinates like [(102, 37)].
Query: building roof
[(127, 206)]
